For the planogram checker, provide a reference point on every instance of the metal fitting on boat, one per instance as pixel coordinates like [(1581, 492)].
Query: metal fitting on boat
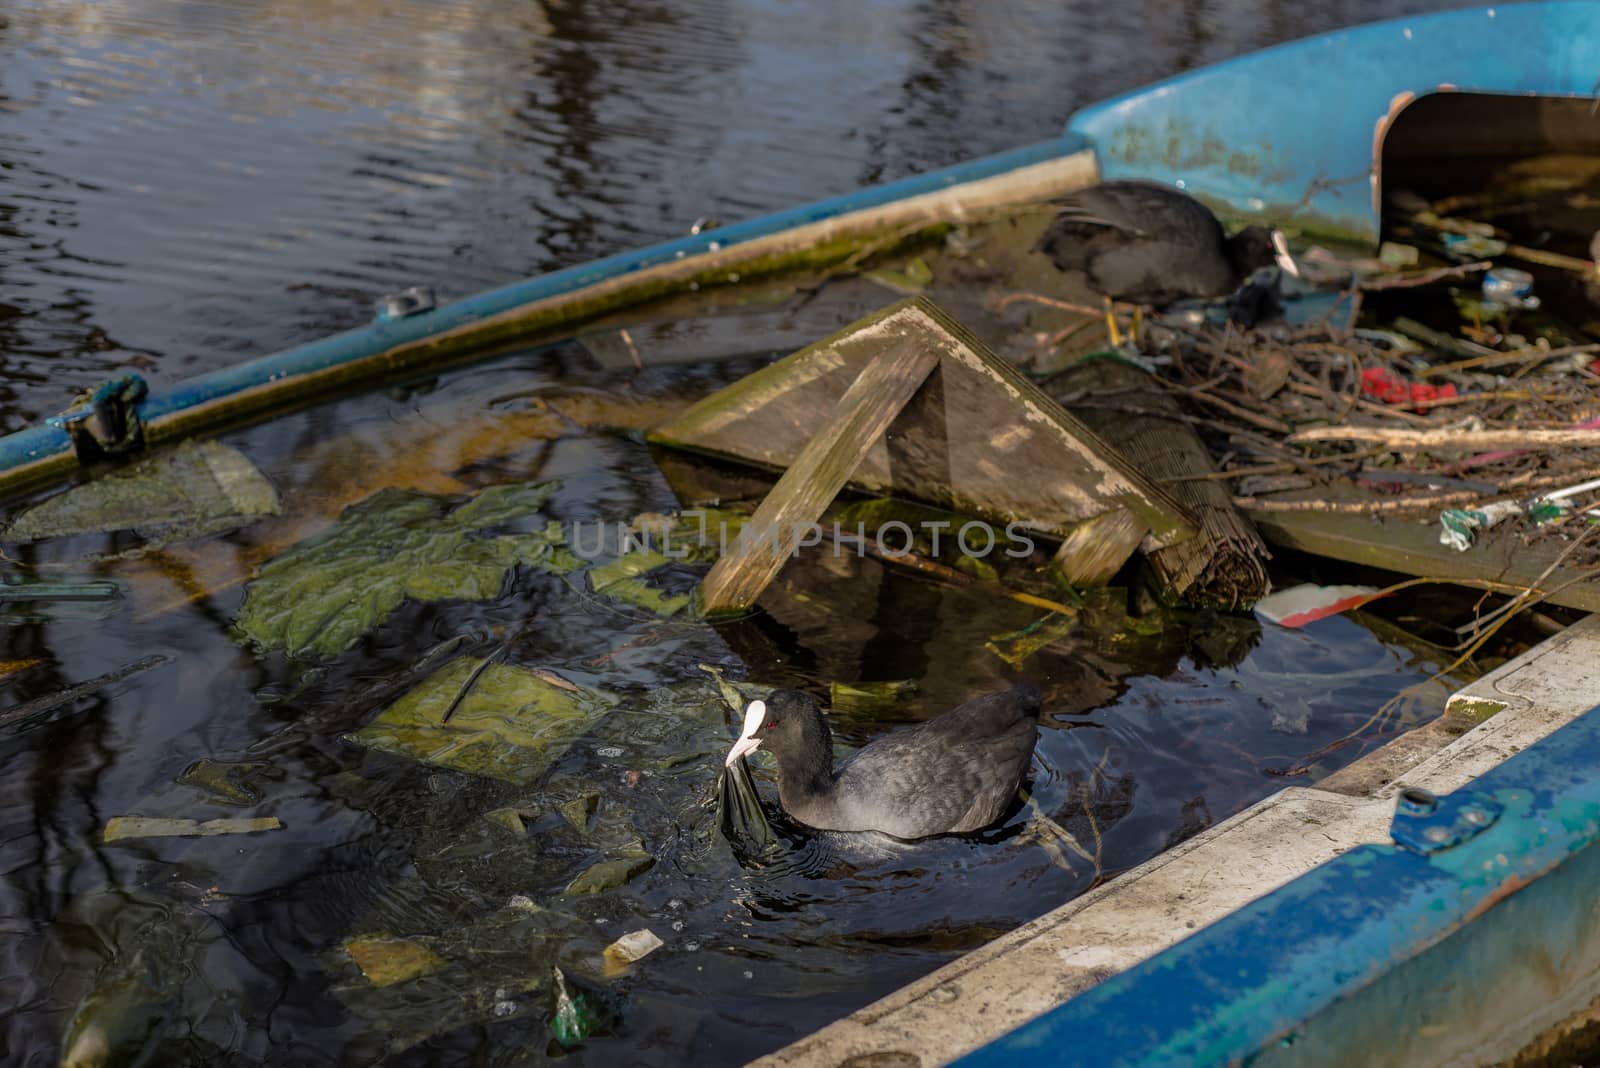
[(407, 302)]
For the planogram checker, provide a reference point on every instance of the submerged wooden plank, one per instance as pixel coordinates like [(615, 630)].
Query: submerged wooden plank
[(1412, 547), (817, 475)]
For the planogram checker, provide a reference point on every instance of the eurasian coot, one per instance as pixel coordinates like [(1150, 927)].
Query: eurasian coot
[(1150, 245), (955, 773)]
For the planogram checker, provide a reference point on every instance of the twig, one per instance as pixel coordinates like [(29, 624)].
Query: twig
[(1449, 438), (1411, 279)]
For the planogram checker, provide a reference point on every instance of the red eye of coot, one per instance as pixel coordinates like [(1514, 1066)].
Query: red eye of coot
[(771, 723)]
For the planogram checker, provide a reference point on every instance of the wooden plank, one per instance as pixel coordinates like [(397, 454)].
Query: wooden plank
[(817, 475), (1412, 548), (1097, 548), (999, 449)]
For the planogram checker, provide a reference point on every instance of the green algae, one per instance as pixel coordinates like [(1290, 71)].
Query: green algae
[(323, 595), (512, 724)]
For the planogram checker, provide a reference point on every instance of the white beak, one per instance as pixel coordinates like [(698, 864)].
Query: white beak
[(748, 741), (1286, 261)]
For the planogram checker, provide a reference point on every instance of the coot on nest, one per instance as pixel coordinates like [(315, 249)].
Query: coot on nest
[(1150, 245), (955, 773)]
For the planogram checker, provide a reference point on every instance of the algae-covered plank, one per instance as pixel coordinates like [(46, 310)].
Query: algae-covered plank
[(816, 476), (198, 488), (511, 725)]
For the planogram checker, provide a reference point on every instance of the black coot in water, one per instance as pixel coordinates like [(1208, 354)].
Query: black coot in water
[(1151, 245), (951, 774)]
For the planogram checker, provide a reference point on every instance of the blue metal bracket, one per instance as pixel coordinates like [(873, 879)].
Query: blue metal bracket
[(1427, 824), (105, 422)]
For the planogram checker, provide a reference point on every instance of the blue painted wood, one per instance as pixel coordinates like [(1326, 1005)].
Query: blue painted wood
[(1339, 953), (1290, 130)]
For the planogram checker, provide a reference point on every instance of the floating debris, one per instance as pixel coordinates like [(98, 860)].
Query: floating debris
[(867, 696), (119, 828), (623, 580), (1017, 646), (196, 489), (740, 817), (223, 782), (512, 724), (578, 811), (610, 874), (1299, 605), (1458, 527), (15, 588), (42, 706), (631, 947), (386, 960), (321, 596), (580, 1013)]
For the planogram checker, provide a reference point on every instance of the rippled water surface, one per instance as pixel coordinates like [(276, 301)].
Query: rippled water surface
[(187, 184)]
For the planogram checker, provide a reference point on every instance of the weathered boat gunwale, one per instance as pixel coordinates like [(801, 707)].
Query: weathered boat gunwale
[(554, 305)]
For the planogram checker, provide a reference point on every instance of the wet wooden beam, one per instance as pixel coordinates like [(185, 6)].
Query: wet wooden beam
[(1412, 547), (817, 475), (1224, 564)]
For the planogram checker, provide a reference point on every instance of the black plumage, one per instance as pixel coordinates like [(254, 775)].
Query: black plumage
[(952, 774), (1151, 244)]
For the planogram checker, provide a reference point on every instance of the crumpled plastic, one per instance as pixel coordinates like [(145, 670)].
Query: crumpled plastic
[(1384, 385)]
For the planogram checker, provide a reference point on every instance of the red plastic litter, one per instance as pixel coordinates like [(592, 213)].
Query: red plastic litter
[(1384, 385)]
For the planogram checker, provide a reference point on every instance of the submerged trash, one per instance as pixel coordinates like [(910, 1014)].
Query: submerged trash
[(18, 588), (121, 827), (223, 782), (512, 724), (580, 1012), (610, 874), (631, 947), (952, 774), (1018, 645), (386, 960), (41, 706), (325, 593), (196, 489), (865, 696)]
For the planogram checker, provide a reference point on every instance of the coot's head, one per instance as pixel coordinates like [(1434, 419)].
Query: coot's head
[(1251, 248), (787, 724)]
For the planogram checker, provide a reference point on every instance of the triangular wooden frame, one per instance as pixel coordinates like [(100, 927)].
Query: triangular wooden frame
[(951, 424)]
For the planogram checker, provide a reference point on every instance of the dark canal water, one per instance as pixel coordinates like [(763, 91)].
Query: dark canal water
[(187, 184)]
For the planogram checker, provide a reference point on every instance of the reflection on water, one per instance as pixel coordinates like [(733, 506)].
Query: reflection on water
[(184, 183)]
